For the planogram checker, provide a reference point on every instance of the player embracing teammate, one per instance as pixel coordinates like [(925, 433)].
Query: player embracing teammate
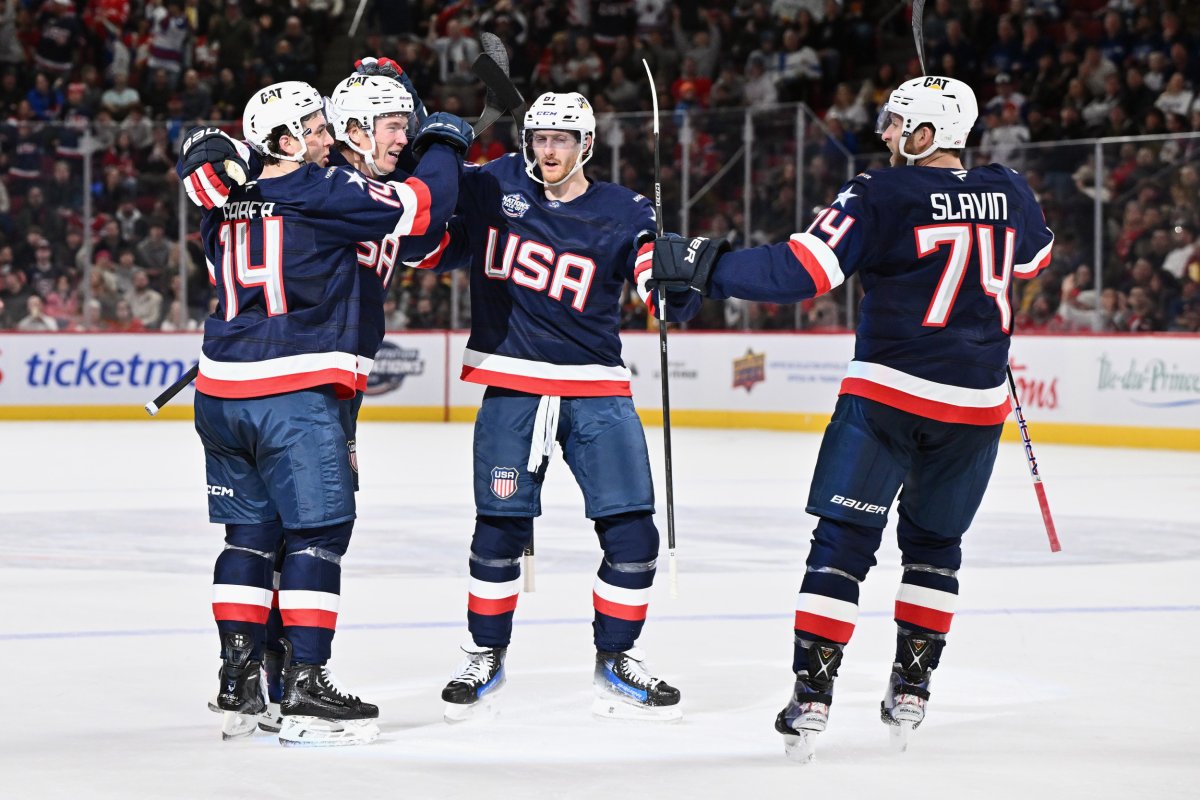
[(924, 400)]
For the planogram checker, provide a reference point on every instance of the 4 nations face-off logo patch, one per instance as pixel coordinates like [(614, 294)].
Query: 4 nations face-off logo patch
[(514, 205), (504, 482)]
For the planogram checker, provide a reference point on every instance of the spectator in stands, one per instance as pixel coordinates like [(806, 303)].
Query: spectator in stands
[(1178, 262), (124, 321), (1176, 97), (848, 110), (178, 320), (45, 100), (195, 96), (1006, 93), (60, 37), (704, 46), (15, 295), (36, 320), (62, 302), (1094, 70), (456, 51), (145, 303), (120, 98), (35, 213), (621, 92), (170, 40), (760, 86), (92, 318), (1143, 315)]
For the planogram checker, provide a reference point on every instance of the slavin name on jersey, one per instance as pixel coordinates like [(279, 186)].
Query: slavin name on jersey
[(969, 205)]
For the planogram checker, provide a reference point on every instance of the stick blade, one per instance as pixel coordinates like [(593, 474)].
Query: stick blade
[(494, 47), (500, 86)]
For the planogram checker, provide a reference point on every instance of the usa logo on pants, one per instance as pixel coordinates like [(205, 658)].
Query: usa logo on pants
[(504, 482)]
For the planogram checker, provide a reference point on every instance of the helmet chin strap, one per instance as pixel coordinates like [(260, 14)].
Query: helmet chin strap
[(912, 160)]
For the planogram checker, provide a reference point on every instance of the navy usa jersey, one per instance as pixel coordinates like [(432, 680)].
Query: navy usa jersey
[(936, 250), (282, 256), (546, 280)]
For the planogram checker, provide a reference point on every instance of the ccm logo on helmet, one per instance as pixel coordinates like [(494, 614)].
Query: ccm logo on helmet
[(858, 505)]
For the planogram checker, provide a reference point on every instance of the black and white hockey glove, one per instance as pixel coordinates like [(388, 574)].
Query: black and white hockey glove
[(210, 164), (673, 262), (389, 68), (446, 128)]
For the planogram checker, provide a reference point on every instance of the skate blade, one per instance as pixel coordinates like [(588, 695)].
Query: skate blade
[(613, 706), (317, 732), (237, 726), (270, 720), (900, 733), (801, 747), (483, 709)]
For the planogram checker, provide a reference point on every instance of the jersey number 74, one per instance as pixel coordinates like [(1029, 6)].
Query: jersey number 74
[(965, 239)]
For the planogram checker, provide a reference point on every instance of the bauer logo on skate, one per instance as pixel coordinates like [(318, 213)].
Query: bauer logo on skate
[(514, 205), (504, 482)]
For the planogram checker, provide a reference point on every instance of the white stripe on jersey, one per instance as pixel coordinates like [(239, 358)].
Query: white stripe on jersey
[(242, 595), (1031, 267), (824, 255), (305, 599), (365, 364), (487, 590), (927, 598), (619, 595), (408, 199), (540, 369), (276, 367), (928, 390)]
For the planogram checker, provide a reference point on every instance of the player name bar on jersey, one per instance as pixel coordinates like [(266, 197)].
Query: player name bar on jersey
[(248, 209), (969, 205)]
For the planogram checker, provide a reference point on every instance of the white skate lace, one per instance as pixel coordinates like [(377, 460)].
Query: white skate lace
[(635, 671), (475, 668), (333, 683)]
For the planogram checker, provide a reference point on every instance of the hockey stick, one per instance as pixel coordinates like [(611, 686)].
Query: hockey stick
[(155, 405), (1038, 488), (918, 29), (491, 67), (662, 353)]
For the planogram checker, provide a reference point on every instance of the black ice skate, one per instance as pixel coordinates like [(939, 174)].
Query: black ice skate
[(272, 718), (317, 712), (807, 712), (240, 694), (903, 706), (476, 682), (625, 689)]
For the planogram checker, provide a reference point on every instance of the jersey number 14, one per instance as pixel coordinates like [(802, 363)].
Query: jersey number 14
[(965, 239)]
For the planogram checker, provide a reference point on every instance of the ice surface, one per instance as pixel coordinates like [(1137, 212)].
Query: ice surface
[(1068, 675)]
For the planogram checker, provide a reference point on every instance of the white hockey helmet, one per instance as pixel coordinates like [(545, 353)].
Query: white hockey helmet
[(946, 104), (286, 103), (566, 111), (363, 99)]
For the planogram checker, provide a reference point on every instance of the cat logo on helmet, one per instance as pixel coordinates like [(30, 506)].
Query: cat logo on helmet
[(363, 99), (948, 107), (286, 103), (553, 111)]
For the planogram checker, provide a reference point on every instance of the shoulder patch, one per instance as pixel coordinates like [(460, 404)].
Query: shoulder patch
[(329, 173)]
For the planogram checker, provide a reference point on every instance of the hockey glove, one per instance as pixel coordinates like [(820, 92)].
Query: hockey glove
[(210, 164), (391, 69), (681, 263), (446, 128)]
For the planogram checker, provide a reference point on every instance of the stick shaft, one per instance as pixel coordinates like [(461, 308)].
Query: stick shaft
[(1031, 462), (155, 405)]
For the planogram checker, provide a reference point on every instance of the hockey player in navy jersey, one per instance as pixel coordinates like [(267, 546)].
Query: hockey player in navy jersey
[(549, 252), (924, 400), (279, 365)]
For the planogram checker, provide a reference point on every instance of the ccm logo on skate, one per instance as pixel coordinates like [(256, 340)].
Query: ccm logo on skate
[(220, 491), (858, 505)]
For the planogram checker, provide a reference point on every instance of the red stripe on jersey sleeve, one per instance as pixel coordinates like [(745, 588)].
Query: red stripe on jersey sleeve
[(490, 608), (832, 629), (421, 214), (811, 265), (619, 610), (930, 618), (433, 259), (930, 409)]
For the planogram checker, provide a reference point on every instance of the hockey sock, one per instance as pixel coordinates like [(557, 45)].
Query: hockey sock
[(827, 605), (621, 593), (242, 581), (926, 598), (310, 589), (495, 567), (275, 619)]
